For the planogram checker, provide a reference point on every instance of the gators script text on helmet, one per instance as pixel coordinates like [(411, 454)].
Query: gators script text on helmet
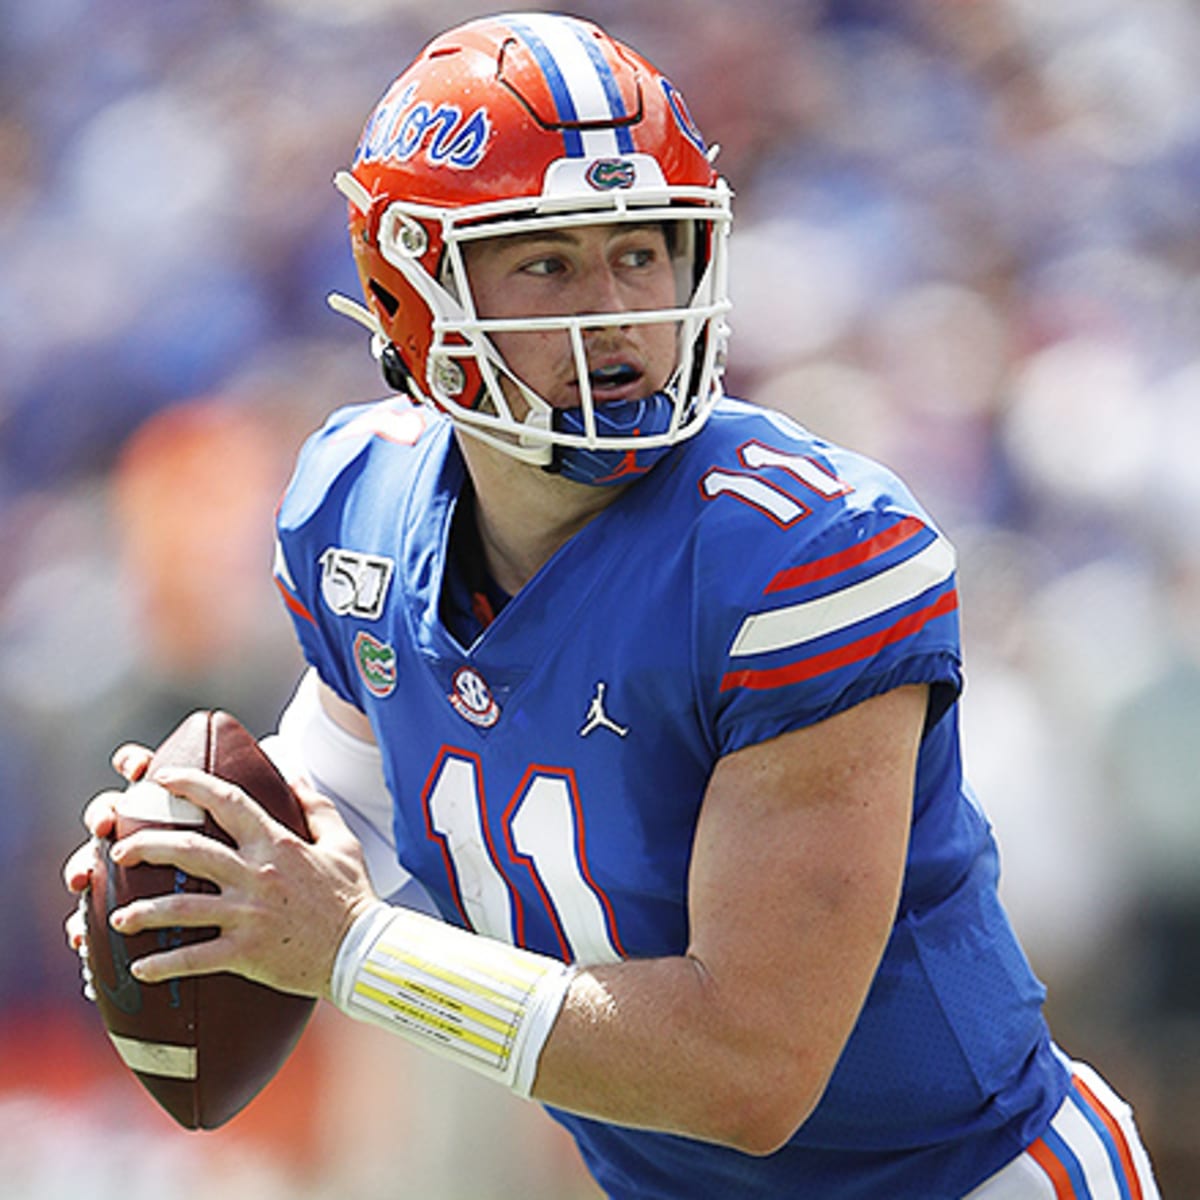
[(525, 122)]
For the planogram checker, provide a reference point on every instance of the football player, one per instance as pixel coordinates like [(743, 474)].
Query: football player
[(653, 693)]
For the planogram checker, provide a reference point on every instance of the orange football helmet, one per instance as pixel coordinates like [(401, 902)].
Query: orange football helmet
[(525, 122)]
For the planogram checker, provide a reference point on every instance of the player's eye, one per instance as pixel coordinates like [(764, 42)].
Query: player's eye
[(542, 265), (637, 258), (644, 248)]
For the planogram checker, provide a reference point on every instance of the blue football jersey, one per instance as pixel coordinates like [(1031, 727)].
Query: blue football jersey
[(547, 776)]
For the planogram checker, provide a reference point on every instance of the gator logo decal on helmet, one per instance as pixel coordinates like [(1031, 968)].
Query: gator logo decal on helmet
[(606, 174)]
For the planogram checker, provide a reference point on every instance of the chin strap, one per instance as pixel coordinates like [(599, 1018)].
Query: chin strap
[(622, 418)]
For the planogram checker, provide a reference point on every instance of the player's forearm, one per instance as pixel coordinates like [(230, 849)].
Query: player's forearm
[(657, 1044), (652, 1043)]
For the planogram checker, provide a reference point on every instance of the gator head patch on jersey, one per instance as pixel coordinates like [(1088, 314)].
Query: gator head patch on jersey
[(376, 662)]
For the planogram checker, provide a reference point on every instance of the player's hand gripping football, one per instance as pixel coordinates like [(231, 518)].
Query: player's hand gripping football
[(283, 904), (99, 817)]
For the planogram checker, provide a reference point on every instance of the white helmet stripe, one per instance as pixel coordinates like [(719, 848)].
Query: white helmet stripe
[(581, 83)]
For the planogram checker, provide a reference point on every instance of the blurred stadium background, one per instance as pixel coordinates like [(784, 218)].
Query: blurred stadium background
[(968, 243)]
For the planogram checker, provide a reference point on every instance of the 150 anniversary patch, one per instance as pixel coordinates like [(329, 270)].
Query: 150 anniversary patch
[(354, 584)]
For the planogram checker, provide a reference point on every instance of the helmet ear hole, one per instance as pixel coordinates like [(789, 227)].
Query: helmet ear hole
[(390, 304), (395, 374)]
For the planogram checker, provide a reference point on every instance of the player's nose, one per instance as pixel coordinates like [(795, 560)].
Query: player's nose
[(600, 289)]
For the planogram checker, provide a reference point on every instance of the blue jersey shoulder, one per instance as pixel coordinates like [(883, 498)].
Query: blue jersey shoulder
[(753, 465), (818, 576), (344, 445), (353, 476)]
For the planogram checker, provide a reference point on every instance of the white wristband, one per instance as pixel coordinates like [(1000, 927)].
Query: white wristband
[(483, 1003)]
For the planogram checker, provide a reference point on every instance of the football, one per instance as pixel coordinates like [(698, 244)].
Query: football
[(203, 1047)]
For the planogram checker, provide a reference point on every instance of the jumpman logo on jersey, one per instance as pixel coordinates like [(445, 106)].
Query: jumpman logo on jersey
[(597, 718)]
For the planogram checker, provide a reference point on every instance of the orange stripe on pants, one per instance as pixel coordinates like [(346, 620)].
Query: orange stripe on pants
[(1055, 1171), (1110, 1123)]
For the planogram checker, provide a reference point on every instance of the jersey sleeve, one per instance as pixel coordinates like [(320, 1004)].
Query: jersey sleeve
[(302, 513), (297, 599), (823, 623), (332, 485)]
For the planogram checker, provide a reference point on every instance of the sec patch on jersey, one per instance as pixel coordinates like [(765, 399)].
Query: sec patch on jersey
[(203, 1047)]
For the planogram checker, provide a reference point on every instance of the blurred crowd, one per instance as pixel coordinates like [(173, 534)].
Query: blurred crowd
[(967, 243)]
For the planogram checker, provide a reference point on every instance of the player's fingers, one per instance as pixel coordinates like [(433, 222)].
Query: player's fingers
[(191, 852), (77, 870), (198, 958), (320, 813), (76, 927), (236, 813), (76, 930), (131, 760), (186, 910), (100, 813)]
